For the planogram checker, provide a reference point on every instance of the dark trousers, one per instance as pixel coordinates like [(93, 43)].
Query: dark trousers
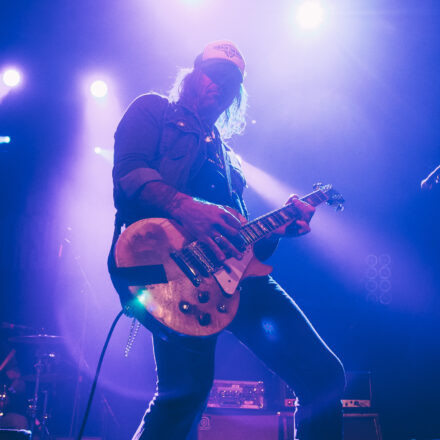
[(271, 325)]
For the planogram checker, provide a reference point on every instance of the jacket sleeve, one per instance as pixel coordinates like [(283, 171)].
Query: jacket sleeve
[(136, 145)]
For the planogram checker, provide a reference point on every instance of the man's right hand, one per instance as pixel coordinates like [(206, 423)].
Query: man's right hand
[(209, 223)]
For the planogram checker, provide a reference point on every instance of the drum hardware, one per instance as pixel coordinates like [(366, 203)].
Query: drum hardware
[(3, 397), (40, 340), (46, 377), (38, 408)]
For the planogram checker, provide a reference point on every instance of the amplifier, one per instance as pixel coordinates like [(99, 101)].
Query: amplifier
[(237, 394), (15, 434), (356, 403), (361, 427), (257, 426)]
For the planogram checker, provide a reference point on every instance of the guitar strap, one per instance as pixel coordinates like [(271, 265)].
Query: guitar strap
[(234, 197), (227, 170)]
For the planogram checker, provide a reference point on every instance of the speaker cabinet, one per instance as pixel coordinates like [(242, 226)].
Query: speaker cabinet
[(222, 426), (15, 434), (280, 426), (361, 427)]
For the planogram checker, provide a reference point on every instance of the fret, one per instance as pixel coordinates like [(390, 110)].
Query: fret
[(315, 198), (284, 216), (321, 196), (310, 200), (278, 218), (251, 232), (250, 238), (256, 228), (245, 236), (268, 222), (273, 221), (262, 226)]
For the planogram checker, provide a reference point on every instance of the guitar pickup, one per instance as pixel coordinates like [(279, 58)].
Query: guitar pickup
[(186, 268)]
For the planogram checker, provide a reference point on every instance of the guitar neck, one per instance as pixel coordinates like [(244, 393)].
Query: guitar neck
[(261, 227)]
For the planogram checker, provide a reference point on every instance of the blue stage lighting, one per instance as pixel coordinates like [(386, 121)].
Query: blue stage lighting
[(99, 88), (309, 14), (5, 139), (11, 77)]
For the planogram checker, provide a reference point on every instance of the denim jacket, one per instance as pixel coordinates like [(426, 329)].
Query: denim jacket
[(158, 140)]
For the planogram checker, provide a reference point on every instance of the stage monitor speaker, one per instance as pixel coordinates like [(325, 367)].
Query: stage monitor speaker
[(15, 434), (361, 427), (278, 426)]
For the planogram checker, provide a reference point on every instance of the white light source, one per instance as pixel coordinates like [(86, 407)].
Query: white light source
[(11, 77), (192, 2), (99, 88), (309, 14), (98, 150), (5, 139)]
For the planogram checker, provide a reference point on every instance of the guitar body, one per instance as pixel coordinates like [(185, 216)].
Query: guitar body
[(193, 304), (173, 284)]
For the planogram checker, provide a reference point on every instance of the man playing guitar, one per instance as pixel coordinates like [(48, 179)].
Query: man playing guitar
[(170, 163)]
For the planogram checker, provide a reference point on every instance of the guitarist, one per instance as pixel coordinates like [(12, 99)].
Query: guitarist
[(170, 162)]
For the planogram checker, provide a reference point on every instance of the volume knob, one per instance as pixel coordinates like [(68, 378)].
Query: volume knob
[(203, 296), (204, 319), (185, 307), (222, 308)]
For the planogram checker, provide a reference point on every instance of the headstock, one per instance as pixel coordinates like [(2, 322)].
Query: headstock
[(334, 198)]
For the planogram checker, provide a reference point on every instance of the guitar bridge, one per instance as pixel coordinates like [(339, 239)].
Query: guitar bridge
[(186, 268)]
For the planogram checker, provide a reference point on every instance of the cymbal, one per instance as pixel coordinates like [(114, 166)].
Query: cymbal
[(37, 339)]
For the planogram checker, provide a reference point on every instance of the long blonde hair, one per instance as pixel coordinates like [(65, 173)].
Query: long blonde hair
[(232, 121)]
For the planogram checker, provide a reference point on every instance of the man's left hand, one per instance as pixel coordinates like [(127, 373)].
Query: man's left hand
[(301, 225)]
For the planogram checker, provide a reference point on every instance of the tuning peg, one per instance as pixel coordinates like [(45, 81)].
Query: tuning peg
[(318, 185)]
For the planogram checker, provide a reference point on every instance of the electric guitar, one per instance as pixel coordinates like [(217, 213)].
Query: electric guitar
[(176, 282)]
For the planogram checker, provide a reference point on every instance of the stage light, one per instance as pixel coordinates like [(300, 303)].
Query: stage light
[(99, 89), (5, 139), (105, 153), (309, 14), (192, 2), (11, 77)]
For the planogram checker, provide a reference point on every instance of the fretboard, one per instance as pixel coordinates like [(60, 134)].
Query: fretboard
[(262, 226)]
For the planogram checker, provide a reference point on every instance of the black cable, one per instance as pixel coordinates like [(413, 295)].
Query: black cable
[(98, 369)]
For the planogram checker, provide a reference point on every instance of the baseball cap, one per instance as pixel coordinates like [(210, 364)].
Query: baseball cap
[(222, 50)]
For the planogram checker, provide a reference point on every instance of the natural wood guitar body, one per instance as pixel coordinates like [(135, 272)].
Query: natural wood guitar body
[(176, 303), (173, 279)]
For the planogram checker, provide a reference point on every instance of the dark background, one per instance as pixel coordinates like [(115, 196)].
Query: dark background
[(356, 103)]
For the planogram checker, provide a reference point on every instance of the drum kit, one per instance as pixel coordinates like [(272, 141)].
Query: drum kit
[(19, 412)]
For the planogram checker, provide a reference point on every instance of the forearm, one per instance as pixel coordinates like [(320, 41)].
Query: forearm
[(161, 197)]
